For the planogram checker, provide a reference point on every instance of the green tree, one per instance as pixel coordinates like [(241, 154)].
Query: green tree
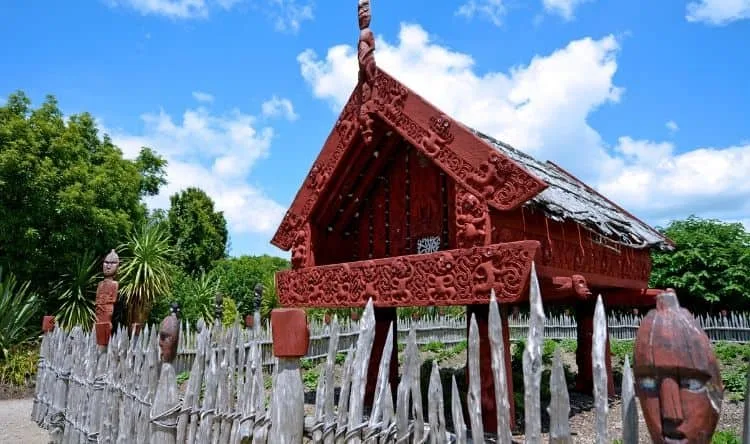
[(147, 271), (198, 233), (238, 277), (64, 189), (710, 266)]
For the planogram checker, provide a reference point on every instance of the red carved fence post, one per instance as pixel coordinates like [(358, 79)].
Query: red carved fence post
[(291, 339)]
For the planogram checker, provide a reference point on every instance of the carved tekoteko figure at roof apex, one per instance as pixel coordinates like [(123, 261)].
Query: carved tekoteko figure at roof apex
[(367, 70)]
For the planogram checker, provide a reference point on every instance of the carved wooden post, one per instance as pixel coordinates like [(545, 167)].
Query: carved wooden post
[(291, 339), (166, 405), (48, 324), (106, 297), (585, 379)]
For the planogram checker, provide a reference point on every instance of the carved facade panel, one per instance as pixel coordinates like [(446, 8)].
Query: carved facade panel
[(498, 180), (472, 219), (452, 277), (302, 254)]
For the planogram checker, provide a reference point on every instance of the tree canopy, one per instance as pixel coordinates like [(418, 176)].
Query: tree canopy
[(64, 188), (711, 264), (238, 277), (198, 233)]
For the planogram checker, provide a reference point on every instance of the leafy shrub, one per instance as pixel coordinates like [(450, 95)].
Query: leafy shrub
[(19, 366), (725, 437), (18, 308), (310, 379), (76, 293)]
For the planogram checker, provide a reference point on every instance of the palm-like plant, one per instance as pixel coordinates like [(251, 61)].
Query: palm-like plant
[(18, 306), (146, 270), (76, 293), (270, 299)]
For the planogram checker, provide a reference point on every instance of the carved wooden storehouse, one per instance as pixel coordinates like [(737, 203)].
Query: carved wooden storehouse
[(409, 207)]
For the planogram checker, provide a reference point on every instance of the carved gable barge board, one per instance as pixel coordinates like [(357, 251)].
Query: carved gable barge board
[(338, 142), (461, 154), (368, 182), (452, 277)]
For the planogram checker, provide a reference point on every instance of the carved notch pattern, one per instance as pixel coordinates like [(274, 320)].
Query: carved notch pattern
[(453, 277)]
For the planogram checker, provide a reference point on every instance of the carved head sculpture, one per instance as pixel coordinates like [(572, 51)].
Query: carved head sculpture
[(677, 375), (363, 12), (169, 334), (111, 263), (580, 287)]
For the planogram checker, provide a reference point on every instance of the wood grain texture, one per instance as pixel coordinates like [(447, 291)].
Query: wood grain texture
[(559, 406), (287, 408), (436, 413), (600, 371), (532, 362), (474, 397), (497, 349), (457, 413), (359, 372), (629, 405)]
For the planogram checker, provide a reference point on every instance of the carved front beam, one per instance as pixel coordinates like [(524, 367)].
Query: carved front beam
[(452, 277)]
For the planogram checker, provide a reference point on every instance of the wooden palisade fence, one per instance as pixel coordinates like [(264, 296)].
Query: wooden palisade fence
[(121, 395), (452, 330)]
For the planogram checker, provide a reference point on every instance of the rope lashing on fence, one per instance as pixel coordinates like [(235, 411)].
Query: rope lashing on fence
[(159, 418)]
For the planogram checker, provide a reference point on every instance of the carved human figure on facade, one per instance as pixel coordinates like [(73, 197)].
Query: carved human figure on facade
[(106, 298), (471, 219), (367, 69), (677, 375)]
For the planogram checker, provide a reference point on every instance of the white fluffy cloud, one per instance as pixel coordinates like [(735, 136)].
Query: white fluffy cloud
[(543, 107), (279, 107), (563, 8), (717, 12), (215, 153)]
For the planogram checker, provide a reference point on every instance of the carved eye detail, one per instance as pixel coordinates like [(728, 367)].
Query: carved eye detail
[(692, 384), (648, 384)]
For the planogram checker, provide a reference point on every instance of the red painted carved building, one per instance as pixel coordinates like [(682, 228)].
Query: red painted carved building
[(409, 207)]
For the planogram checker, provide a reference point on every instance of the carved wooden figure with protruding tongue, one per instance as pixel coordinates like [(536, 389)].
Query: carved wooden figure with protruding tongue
[(677, 375)]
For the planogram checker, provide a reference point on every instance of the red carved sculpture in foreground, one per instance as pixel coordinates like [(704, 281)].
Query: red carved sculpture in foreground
[(106, 297), (677, 375), (452, 277)]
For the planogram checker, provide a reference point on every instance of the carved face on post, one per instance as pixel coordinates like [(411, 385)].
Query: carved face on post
[(363, 12), (169, 334), (111, 263), (677, 375)]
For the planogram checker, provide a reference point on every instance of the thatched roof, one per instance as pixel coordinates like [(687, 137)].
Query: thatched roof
[(567, 198)]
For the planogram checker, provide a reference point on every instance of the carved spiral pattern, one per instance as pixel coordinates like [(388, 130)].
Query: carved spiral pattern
[(453, 277)]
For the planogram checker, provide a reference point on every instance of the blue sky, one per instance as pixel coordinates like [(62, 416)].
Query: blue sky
[(644, 100)]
